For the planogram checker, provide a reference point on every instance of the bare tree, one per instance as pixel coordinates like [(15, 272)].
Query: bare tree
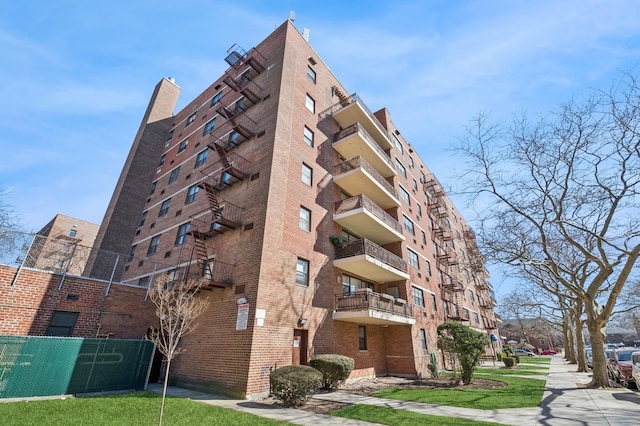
[(177, 307), (560, 195), (9, 226)]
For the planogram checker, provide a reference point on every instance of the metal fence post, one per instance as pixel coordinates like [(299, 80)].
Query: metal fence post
[(113, 272), (24, 259)]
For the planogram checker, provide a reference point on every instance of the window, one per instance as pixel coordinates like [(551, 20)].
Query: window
[(476, 318), (434, 303), (162, 159), (207, 269), (183, 145), (310, 104), (164, 208), (302, 272), (418, 296), (445, 305), (208, 128), (216, 99), (424, 237), (307, 174), (428, 264), (401, 168), (144, 281), (465, 313), (362, 338), (419, 209), (182, 233), (153, 245), (413, 258), (174, 174), (305, 219), (201, 158), (311, 74), (408, 225), (405, 195), (190, 119), (153, 187), (143, 218), (73, 232), (169, 136), (192, 194), (411, 163), (239, 106), (132, 253), (351, 284), (233, 138), (397, 143), (308, 136), (542, 342), (423, 339), (62, 324)]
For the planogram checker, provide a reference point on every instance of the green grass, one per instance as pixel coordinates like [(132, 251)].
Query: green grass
[(521, 369), (389, 416), (535, 360), (519, 392), (128, 409)]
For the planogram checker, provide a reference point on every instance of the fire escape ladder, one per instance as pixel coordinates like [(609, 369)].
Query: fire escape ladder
[(238, 125)]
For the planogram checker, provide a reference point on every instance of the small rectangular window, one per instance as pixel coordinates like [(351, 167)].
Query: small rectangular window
[(424, 237), (471, 296), (162, 160), (164, 208), (302, 272), (143, 218), (208, 128), (405, 195), (192, 194), (413, 258), (190, 119), (308, 136), (311, 74), (73, 232), (201, 158), (418, 296), (401, 168), (62, 324), (153, 245), (233, 138), (362, 338), (423, 339), (132, 253), (305, 219), (169, 136), (174, 174), (183, 145), (434, 303), (217, 98), (153, 187), (307, 174), (310, 103), (476, 318), (182, 234), (408, 225), (397, 143)]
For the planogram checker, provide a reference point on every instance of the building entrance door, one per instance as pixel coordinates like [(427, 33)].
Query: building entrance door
[(299, 354)]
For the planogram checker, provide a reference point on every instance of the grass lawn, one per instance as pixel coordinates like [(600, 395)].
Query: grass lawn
[(519, 392), (127, 409), (521, 369), (535, 360), (389, 416)]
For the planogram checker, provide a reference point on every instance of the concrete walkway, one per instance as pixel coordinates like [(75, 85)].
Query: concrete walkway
[(565, 402)]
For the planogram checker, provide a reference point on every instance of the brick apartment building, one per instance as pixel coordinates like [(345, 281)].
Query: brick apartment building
[(318, 227)]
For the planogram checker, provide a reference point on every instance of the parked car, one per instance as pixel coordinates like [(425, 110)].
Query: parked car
[(621, 366), (635, 367), (524, 352), (548, 352)]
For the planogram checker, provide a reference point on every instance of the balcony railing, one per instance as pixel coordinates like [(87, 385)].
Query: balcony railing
[(362, 201), (367, 299), (359, 162), (348, 101), (360, 130), (369, 248)]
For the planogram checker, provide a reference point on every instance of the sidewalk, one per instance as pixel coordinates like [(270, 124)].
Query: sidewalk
[(565, 402)]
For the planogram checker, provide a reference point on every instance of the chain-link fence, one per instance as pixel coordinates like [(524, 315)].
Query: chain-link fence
[(41, 366), (64, 255)]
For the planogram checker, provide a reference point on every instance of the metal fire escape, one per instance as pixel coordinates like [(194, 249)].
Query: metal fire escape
[(476, 264), (447, 260)]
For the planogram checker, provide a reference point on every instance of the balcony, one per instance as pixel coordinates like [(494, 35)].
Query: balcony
[(357, 176), (351, 110), (366, 307), (364, 217), (355, 140), (370, 261)]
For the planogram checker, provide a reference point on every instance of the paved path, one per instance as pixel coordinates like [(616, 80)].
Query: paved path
[(565, 403)]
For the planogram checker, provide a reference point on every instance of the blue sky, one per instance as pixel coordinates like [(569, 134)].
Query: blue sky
[(77, 75)]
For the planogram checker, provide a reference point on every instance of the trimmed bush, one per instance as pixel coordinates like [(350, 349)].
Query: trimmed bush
[(294, 384), (509, 361), (335, 369), (499, 355)]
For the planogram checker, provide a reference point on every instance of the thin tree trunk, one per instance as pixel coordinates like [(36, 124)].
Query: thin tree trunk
[(164, 390), (582, 366), (569, 351)]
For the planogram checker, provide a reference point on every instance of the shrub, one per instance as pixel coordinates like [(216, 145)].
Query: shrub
[(509, 361), (335, 369), (499, 356), (517, 358), (293, 384), (433, 365)]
